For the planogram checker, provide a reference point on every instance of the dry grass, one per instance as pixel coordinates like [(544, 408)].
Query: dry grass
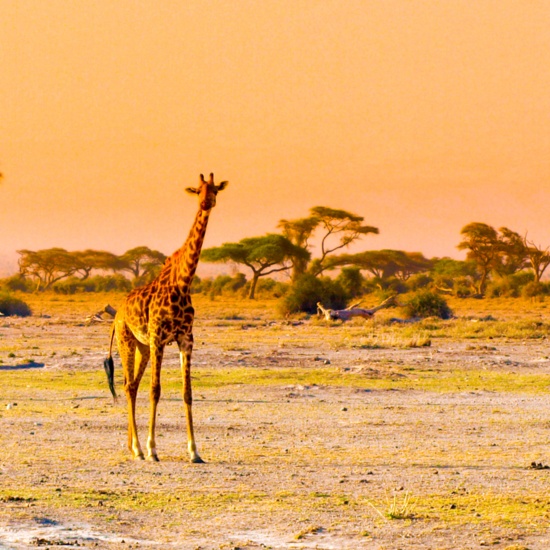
[(306, 428)]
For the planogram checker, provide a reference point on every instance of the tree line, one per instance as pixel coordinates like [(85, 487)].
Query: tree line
[(498, 262), (502, 258), (47, 267)]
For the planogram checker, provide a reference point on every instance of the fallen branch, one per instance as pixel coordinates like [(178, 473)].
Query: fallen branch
[(353, 311), (98, 317)]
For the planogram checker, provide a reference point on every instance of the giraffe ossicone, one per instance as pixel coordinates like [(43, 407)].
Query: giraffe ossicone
[(156, 315)]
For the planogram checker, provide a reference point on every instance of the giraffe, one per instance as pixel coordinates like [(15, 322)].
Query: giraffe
[(156, 315)]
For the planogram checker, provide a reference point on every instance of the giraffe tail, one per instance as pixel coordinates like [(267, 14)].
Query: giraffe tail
[(109, 366)]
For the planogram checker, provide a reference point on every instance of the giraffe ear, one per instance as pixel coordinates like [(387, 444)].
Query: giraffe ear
[(223, 185), (192, 190)]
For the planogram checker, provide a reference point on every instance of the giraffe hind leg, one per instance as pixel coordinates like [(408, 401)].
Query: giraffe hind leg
[(127, 347)]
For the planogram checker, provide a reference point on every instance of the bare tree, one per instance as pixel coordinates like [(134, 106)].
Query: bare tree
[(538, 258), (339, 228)]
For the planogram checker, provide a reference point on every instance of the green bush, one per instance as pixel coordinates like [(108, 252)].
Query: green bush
[(304, 294), (197, 284), (268, 288), (17, 282), (99, 283), (426, 303), (236, 283), (510, 286), (533, 289), (218, 285), (111, 283), (352, 281), (10, 306), (71, 285), (419, 280)]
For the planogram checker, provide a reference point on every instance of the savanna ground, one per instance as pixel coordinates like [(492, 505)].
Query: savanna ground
[(315, 435)]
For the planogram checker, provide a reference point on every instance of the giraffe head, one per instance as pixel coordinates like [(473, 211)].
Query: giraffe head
[(207, 191)]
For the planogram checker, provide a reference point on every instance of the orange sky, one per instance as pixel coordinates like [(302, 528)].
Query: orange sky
[(419, 115)]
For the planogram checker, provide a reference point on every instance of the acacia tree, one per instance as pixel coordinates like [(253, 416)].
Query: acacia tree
[(383, 264), (47, 266), (483, 247), (410, 263), (503, 252), (263, 255), (141, 261), (456, 277), (88, 260), (338, 229), (299, 232), (513, 252)]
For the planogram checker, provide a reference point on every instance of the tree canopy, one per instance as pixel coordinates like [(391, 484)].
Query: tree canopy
[(482, 245), (141, 261), (88, 260), (47, 266), (265, 255), (51, 265), (503, 251), (384, 264), (337, 228)]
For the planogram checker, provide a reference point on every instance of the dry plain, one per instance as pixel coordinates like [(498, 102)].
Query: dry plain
[(315, 435)]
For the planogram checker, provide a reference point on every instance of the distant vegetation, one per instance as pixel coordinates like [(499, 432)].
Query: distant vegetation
[(499, 263)]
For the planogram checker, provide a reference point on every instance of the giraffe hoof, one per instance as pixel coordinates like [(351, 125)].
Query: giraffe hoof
[(139, 457), (197, 460), (153, 458)]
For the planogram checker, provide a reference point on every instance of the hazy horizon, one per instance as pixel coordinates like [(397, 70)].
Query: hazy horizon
[(420, 116)]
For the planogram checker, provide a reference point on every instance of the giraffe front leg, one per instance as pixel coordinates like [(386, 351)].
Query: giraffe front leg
[(157, 351), (186, 348)]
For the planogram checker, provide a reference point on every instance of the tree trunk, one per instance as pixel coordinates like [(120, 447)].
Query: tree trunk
[(482, 283), (253, 284)]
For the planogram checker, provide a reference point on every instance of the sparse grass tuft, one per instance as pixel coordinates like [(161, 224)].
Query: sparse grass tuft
[(401, 508)]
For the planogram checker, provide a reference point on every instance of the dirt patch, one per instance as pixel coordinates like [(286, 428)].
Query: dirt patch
[(370, 448)]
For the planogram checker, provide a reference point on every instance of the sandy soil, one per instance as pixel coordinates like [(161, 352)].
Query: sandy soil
[(288, 465)]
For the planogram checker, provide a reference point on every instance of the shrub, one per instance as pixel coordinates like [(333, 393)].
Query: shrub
[(111, 283), (352, 281), (419, 280), (533, 289), (510, 286), (304, 294), (426, 303), (10, 305), (17, 282), (236, 283), (218, 285), (71, 285), (201, 286), (196, 285), (393, 285), (99, 283), (269, 288)]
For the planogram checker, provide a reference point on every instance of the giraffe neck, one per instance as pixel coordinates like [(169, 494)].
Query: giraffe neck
[(186, 258)]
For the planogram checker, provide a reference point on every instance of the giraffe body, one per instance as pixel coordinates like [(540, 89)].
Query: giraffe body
[(156, 315)]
